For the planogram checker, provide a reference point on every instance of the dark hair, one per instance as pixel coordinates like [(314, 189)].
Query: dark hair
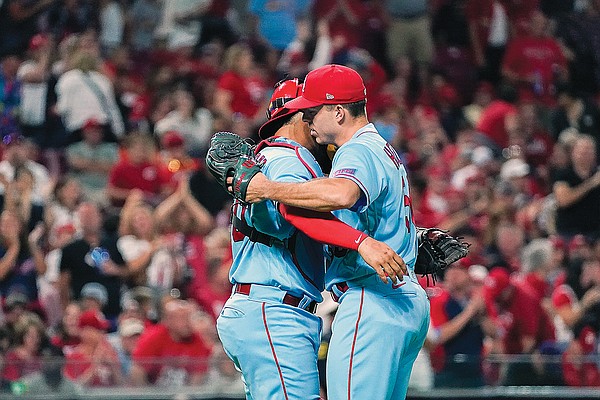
[(356, 109)]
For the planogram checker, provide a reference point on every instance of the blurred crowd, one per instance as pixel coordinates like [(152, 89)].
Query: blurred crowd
[(114, 239)]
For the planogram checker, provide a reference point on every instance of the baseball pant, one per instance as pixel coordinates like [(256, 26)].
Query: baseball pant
[(376, 335), (274, 345)]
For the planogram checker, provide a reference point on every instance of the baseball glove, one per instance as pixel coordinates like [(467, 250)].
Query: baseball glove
[(437, 250), (230, 156)]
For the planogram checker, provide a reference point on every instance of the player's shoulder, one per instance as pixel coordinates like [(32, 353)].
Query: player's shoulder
[(282, 152)]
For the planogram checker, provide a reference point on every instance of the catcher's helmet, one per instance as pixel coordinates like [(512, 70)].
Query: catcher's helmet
[(285, 91)]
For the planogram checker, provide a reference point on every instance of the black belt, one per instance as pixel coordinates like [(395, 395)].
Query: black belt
[(290, 300)]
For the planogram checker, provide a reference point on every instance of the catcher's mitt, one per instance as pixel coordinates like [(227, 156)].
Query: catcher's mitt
[(230, 156), (437, 250)]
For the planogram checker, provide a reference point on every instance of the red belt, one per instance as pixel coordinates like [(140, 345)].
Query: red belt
[(290, 300), (342, 287)]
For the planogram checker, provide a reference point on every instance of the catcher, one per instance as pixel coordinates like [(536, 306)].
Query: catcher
[(232, 161)]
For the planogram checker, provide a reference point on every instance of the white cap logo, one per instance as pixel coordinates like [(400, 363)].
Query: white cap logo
[(328, 96)]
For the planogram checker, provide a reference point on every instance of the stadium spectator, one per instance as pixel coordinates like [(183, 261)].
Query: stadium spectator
[(408, 33), (84, 93), (51, 380), (458, 317), (275, 23), (483, 96), (138, 169), (577, 191), (142, 19), (535, 63), (93, 362), (506, 250), (92, 258), (532, 138), (150, 256), (66, 335), (187, 222), (112, 25), (193, 123), (125, 340), (575, 111), (241, 92), (489, 33), (93, 297), (577, 303), (540, 271), (18, 266), (180, 26), (578, 33), (24, 357), (176, 164), (18, 23), (171, 354), (60, 210), (521, 324), (90, 160), (34, 74), (498, 119), (310, 49), (15, 157), (71, 17)]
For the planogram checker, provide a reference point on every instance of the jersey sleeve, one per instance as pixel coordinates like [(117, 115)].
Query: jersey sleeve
[(323, 227), (355, 162)]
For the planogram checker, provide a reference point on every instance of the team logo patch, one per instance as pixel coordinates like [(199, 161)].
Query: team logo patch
[(329, 96), (345, 171)]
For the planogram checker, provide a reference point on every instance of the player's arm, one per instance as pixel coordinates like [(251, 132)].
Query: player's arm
[(326, 228), (323, 194)]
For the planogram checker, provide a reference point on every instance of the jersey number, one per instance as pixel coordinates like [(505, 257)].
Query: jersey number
[(391, 153), (408, 203)]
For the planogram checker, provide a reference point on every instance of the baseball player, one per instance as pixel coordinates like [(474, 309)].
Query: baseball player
[(381, 323), (268, 327)]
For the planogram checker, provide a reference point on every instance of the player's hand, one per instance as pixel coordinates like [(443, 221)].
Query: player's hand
[(254, 192), (383, 260)]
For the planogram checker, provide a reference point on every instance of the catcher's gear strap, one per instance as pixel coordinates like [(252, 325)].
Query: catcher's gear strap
[(252, 233), (271, 142)]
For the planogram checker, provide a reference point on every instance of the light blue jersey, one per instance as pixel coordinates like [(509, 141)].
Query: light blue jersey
[(384, 209), (274, 344), (378, 328), (294, 262)]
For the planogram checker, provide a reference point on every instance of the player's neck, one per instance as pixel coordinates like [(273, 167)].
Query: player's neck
[(349, 129)]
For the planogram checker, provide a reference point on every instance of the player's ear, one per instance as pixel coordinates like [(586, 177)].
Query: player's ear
[(340, 112)]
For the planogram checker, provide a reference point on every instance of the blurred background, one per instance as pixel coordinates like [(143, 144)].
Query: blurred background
[(114, 240)]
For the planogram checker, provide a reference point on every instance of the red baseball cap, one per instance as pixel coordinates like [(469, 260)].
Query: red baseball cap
[(284, 92), (93, 319), (330, 84), (497, 281)]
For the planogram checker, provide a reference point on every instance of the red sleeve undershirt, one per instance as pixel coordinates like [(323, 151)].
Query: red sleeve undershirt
[(323, 227)]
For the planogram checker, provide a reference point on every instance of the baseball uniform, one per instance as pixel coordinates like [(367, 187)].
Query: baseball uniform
[(272, 340), (379, 328)]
